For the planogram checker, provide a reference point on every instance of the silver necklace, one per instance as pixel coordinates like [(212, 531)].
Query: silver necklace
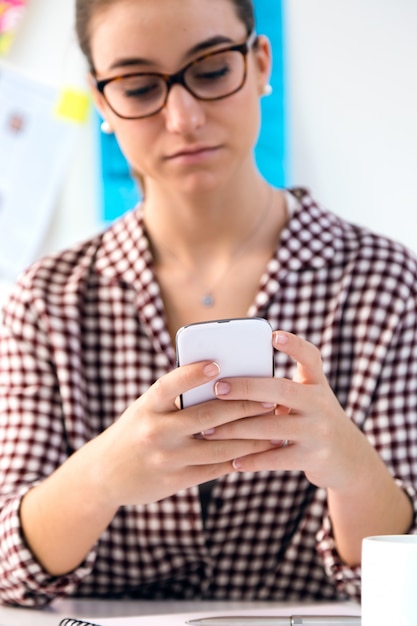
[(208, 299)]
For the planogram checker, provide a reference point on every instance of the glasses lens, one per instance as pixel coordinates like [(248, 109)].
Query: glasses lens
[(217, 75), (136, 95)]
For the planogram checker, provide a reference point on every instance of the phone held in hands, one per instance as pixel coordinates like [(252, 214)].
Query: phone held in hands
[(240, 346)]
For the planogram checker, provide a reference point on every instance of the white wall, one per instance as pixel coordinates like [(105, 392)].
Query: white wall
[(352, 109), (352, 79)]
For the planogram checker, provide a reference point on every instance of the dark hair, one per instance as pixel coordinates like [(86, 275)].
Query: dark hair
[(86, 9)]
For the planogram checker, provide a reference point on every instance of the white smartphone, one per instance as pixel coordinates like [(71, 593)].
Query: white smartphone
[(240, 346)]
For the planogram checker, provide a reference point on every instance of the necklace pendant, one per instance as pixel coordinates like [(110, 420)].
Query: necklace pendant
[(207, 300)]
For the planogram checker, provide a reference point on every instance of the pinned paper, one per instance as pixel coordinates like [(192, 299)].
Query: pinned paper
[(10, 14), (35, 150), (73, 105), (5, 42), (120, 192)]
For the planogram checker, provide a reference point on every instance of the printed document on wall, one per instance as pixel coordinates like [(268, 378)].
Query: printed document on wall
[(35, 149)]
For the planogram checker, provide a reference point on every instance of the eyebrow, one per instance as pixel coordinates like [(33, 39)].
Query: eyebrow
[(202, 46)]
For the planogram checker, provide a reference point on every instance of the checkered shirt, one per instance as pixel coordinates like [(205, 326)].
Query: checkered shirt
[(84, 334)]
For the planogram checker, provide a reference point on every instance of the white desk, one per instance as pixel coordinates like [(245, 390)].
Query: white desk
[(120, 608)]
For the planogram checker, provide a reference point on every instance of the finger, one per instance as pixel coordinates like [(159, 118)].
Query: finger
[(279, 458), (307, 356), (165, 391), (204, 418), (276, 391), (203, 452), (272, 428)]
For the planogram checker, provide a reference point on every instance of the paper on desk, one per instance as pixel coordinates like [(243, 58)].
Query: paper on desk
[(179, 619)]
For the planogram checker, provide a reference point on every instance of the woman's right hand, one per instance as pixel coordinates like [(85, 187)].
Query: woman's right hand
[(152, 450), (149, 453)]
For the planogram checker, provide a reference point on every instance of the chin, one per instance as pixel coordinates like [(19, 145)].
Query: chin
[(200, 184)]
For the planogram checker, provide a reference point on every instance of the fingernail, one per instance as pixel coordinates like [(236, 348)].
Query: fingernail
[(237, 464), (211, 370), (269, 405), (281, 339), (221, 388), (280, 443), (208, 431)]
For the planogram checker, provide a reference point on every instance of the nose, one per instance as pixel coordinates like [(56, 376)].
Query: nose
[(183, 112)]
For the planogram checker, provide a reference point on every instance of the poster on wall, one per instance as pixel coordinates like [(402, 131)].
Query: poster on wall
[(119, 192), (11, 12), (36, 144)]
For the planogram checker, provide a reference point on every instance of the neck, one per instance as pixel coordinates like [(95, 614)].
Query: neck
[(190, 229), (213, 271)]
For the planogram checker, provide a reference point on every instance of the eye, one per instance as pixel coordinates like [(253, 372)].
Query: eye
[(140, 92), (212, 74), (214, 68), (141, 87)]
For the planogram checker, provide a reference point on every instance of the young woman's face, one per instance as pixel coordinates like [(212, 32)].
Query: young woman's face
[(191, 145)]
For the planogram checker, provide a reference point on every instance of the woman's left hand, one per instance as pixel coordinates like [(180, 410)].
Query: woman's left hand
[(363, 498), (322, 440)]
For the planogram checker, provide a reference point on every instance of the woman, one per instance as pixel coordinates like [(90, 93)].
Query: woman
[(100, 468)]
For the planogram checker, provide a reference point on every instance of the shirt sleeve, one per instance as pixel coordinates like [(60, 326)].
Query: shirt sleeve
[(390, 426), (23, 581), (32, 446)]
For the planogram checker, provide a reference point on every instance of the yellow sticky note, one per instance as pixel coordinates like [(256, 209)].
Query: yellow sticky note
[(73, 105), (5, 42)]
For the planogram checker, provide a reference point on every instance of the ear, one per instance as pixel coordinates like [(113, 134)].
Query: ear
[(263, 60)]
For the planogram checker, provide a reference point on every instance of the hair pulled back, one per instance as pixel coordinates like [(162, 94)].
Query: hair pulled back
[(85, 10)]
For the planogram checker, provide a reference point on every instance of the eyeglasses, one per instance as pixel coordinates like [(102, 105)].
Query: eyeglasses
[(213, 76)]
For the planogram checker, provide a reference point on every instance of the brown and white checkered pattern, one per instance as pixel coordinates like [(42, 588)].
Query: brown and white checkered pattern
[(84, 334)]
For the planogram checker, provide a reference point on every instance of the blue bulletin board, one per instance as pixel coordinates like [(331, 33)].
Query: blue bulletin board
[(119, 192)]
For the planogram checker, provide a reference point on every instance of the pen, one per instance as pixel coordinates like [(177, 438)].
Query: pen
[(270, 620)]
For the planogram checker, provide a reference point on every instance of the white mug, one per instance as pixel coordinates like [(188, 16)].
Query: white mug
[(389, 580)]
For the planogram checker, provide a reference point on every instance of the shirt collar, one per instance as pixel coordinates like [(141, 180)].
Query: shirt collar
[(312, 239)]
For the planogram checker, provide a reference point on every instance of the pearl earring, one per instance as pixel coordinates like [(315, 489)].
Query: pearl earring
[(105, 128), (267, 90)]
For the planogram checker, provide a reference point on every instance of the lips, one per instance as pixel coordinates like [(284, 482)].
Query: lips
[(192, 151)]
